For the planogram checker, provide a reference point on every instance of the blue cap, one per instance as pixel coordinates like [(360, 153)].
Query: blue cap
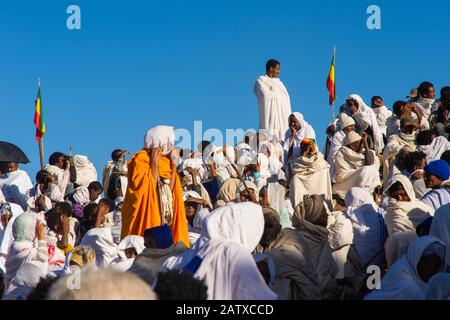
[(438, 168)]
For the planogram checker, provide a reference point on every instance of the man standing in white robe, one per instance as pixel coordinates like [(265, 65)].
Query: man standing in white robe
[(273, 101)]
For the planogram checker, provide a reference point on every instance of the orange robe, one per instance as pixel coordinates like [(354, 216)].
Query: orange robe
[(140, 209)]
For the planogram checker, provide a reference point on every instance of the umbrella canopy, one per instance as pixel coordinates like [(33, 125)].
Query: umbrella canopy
[(11, 153)]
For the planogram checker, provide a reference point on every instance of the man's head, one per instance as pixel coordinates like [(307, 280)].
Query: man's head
[(445, 98), (416, 161), (55, 221), (426, 90), (95, 190), (436, 172), (397, 107), (57, 159), (90, 212), (409, 125), (244, 196), (8, 167), (376, 102), (108, 204), (353, 141), (272, 227), (44, 177), (398, 192), (424, 138), (64, 208), (273, 68), (402, 158), (348, 123), (117, 155), (264, 197)]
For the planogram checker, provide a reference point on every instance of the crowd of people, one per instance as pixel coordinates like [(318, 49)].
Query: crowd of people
[(269, 218)]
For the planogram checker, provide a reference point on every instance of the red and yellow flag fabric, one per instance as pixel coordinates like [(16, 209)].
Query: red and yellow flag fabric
[(39, 116), (331, 83)]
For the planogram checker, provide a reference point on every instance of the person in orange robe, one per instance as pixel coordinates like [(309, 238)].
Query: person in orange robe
[(141, 206)]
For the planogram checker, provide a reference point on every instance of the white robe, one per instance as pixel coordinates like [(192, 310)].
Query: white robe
[(434, 150), (440, 227), (382, 114), (229, 235), (14, 186), (402, 281), (351, 172), (86, 172), (274, 105), (404, 216)]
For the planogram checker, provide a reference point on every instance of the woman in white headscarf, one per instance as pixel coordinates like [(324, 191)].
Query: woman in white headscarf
[(368, 116), (25, 230), (9, 212), (408, 277), (222, 256), (298, 130), (128, 249), (368, 225), (404, 212), (86, 172), (101, 240)]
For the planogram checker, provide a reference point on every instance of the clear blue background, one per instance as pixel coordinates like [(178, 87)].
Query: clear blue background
[(136, 64)]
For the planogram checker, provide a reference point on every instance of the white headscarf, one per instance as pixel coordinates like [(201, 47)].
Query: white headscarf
[(368, 224), (405, 215), (121, 262), (402, 281), (229, 235), (160, 136), (101, 240), (369, 116), (306, 131), (86, 172)]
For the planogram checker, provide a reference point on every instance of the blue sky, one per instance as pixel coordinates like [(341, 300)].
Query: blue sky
[(137, 64)]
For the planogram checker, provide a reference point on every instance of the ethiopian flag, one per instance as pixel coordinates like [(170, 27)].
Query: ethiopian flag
[(331, 83), (39, 116)]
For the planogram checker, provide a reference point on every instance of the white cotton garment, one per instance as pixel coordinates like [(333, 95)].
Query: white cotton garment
[(434, 150), (229, 235), (274, 105), (121, 262), (160, 137), (101, 240), (402, 281), (14, 186), (86, 172)]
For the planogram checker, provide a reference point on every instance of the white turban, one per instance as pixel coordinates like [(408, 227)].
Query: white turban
[(351, 137), (160, 136)]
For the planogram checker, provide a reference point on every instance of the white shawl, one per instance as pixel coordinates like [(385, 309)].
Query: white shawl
[(402, 215), (274, 105), (101, 240), (434, 150), (351, 172), (440, 227), (229, 235), (309, 176), (402, 281), (369, 117), (306, 131), (86, 172)]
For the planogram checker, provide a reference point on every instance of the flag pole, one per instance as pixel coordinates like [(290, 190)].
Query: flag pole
[(332, 106), (41, 142)]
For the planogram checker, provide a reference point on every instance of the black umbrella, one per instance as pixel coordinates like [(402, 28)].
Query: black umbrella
[(11, 153)]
